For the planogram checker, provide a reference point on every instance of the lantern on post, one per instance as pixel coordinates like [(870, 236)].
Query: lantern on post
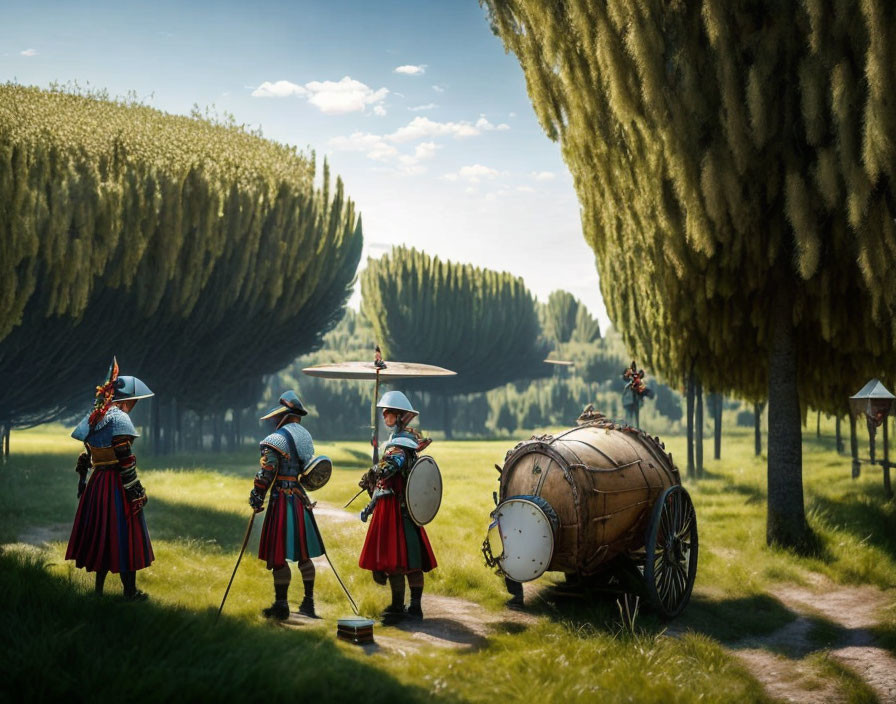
[(874, 402)]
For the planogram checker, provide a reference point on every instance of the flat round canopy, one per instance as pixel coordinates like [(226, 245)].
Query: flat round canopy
[(559, 362), (367, 370)]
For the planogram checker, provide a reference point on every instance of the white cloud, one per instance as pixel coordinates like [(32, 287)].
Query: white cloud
[(280, 89), (485, 125), (422, 127), (373, 145), (411, 162), (474, 174), (28, 52), (346, 95), (543, 175), (513, 114), (410, 69), (438, 89), (330, 97), (418, 108), (525, 189), (379, 110)]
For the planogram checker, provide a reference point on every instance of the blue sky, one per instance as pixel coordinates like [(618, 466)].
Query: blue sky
[(414, 103)]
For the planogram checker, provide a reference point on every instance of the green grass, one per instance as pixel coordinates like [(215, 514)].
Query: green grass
[(197, 514)]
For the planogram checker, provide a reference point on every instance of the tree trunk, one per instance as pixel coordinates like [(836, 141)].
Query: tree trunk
[(717, 411), (5, 432), (818, 425), (757, 428), (690, 414), (786, 524), (854, 447), (178, 427), (200, 418), (216, 432), (887, 488), (446, 417), (238, 428), (698, 426), (839, 436), (155, 434)]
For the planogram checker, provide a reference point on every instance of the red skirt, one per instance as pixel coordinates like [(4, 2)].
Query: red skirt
[(289, 532), (394, 542), (108, 535)]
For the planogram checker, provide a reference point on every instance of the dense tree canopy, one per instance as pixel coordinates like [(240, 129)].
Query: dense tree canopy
[(201, 254), (480, 323), (735, 164)]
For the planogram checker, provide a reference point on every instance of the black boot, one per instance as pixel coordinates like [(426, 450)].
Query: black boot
[(129, 584), (516, 590), (415, 610), (395, 611), (100, 581), (307, 607), (280, 608)]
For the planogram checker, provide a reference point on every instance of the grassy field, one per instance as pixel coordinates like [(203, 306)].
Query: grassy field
[(576, 650)]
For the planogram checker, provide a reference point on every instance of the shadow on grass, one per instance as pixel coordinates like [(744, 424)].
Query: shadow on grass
[(725, 620), (869, 520), (107, 649), (169, 520)]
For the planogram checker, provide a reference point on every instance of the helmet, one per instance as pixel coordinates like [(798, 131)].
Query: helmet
[(289, 404), (128, 388), (399, 402)]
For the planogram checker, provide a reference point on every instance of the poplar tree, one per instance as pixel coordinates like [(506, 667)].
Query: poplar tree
[(734, 163), (479, 323), (201, 254)]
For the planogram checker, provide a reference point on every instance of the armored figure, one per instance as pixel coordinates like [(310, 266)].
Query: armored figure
[(290, 532), (395, 546), (109, 533)]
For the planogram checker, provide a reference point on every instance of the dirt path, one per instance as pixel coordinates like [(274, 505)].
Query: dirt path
[(450, 623), (776, 660)]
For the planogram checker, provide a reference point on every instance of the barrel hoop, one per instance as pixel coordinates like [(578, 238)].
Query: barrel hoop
[(615, 463), (611, 469)]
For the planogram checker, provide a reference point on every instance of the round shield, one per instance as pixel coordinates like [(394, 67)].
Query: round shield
[(317, 473), (523, 534), (423, 492)]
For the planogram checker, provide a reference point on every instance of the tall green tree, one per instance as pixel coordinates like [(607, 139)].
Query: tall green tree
[(201, 254), (735, 166), (480, 323), (560, 314)]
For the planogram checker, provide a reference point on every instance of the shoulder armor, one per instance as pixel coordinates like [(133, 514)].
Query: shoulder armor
[(82, 429), (119, 423), (402, 441), (276, 442), (302, 439)]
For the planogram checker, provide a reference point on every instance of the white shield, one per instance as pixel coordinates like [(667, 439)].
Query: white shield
[(423, 492), (522, 533)]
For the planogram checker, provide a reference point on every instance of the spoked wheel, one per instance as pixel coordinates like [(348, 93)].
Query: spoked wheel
[(671, 552)]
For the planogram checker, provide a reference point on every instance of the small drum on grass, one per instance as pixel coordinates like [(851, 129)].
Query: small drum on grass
[(521, 537), (355, 630), (316, 473), (423, 491)]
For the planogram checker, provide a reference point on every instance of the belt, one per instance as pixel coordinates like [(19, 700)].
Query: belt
[(102, 456), (281, 478)]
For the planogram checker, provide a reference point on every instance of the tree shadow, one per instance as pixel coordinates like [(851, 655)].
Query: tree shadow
[(445, 629), (104, 646), (867, 520), (170, 520)]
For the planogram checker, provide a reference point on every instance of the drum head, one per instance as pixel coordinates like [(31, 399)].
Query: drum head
[(317, 473), (423, 492), (525, 527)]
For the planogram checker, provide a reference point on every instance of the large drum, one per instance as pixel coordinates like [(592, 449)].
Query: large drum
[(607, 491)]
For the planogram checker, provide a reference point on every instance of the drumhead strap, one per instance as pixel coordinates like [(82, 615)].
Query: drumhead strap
[(293, 450)]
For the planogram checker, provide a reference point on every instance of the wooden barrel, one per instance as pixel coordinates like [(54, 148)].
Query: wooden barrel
[(601, 479)]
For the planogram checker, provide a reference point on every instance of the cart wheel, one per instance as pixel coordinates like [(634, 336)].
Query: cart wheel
[(671, 552)]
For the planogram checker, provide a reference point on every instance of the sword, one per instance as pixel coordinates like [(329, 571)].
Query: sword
[(242, 550)]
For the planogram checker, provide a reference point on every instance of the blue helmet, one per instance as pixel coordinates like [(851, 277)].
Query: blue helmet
[(128, 388), (289, 404), (397, 401)]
